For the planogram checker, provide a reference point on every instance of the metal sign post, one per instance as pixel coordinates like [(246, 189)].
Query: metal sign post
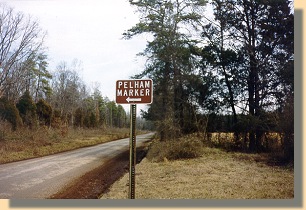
[(132, 151)]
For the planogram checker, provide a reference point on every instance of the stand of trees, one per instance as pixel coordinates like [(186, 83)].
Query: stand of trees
[(69, 104), (31, 96), (238, 61)]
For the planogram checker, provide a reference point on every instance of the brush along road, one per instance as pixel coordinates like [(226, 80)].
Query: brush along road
[(43, 177)]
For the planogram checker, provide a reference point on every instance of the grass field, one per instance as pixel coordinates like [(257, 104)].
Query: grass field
[(215, 175)]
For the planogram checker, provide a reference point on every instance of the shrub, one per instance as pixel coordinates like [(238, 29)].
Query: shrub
[(9, 113), (27, 110), (44, 112), (183, 148)]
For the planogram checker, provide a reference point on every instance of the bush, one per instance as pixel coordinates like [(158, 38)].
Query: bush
[(9, 112), (27, 110), (44, 112), (182, 148)]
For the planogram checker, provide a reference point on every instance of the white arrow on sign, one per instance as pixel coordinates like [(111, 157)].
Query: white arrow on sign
[(133, 99)]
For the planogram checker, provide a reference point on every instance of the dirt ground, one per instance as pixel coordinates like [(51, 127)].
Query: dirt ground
[(96, 182)]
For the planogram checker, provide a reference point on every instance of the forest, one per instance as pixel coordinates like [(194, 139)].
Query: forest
[(33, 96), (220, 66), (217, 66)]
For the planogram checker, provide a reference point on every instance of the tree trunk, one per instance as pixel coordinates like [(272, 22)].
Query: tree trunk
[(251, 90)]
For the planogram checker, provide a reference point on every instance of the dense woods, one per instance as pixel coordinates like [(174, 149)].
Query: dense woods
[(217, 66), (229, 70)]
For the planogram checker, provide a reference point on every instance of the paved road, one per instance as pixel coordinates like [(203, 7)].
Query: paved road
[(42, 177)]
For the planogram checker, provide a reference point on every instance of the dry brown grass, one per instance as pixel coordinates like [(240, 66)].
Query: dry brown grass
[(271, 140), (25, 144), (189, 146), (216, 175)]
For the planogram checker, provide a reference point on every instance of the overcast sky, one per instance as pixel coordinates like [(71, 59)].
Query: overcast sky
[(90, 31)]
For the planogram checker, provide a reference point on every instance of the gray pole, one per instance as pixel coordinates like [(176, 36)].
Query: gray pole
[(132, 151)]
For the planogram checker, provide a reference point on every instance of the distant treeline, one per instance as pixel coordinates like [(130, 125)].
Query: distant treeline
[(32, 95), (93, 112)]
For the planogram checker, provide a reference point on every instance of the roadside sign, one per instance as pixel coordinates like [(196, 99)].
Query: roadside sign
[(134, 91)]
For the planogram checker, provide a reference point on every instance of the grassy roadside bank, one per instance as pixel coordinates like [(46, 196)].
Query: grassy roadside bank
[(25, 144), (215, 175)]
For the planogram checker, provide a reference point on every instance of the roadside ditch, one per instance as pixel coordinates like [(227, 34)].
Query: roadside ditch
[(96, 182)]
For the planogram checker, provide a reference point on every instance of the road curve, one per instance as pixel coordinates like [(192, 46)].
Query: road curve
[(41, 177)]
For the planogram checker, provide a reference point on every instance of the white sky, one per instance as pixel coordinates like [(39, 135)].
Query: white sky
[(90, 31)]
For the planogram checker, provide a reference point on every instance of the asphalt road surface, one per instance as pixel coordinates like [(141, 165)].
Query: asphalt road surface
[(42, 177)]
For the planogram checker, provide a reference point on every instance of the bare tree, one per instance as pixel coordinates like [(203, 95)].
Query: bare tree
[(68, 89), (20, 38)]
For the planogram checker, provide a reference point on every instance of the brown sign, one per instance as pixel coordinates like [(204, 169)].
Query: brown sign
[(134, 91)]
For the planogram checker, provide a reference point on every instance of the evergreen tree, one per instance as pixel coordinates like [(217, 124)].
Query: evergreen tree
[(27, 110), (170, 61), (262, 33)]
